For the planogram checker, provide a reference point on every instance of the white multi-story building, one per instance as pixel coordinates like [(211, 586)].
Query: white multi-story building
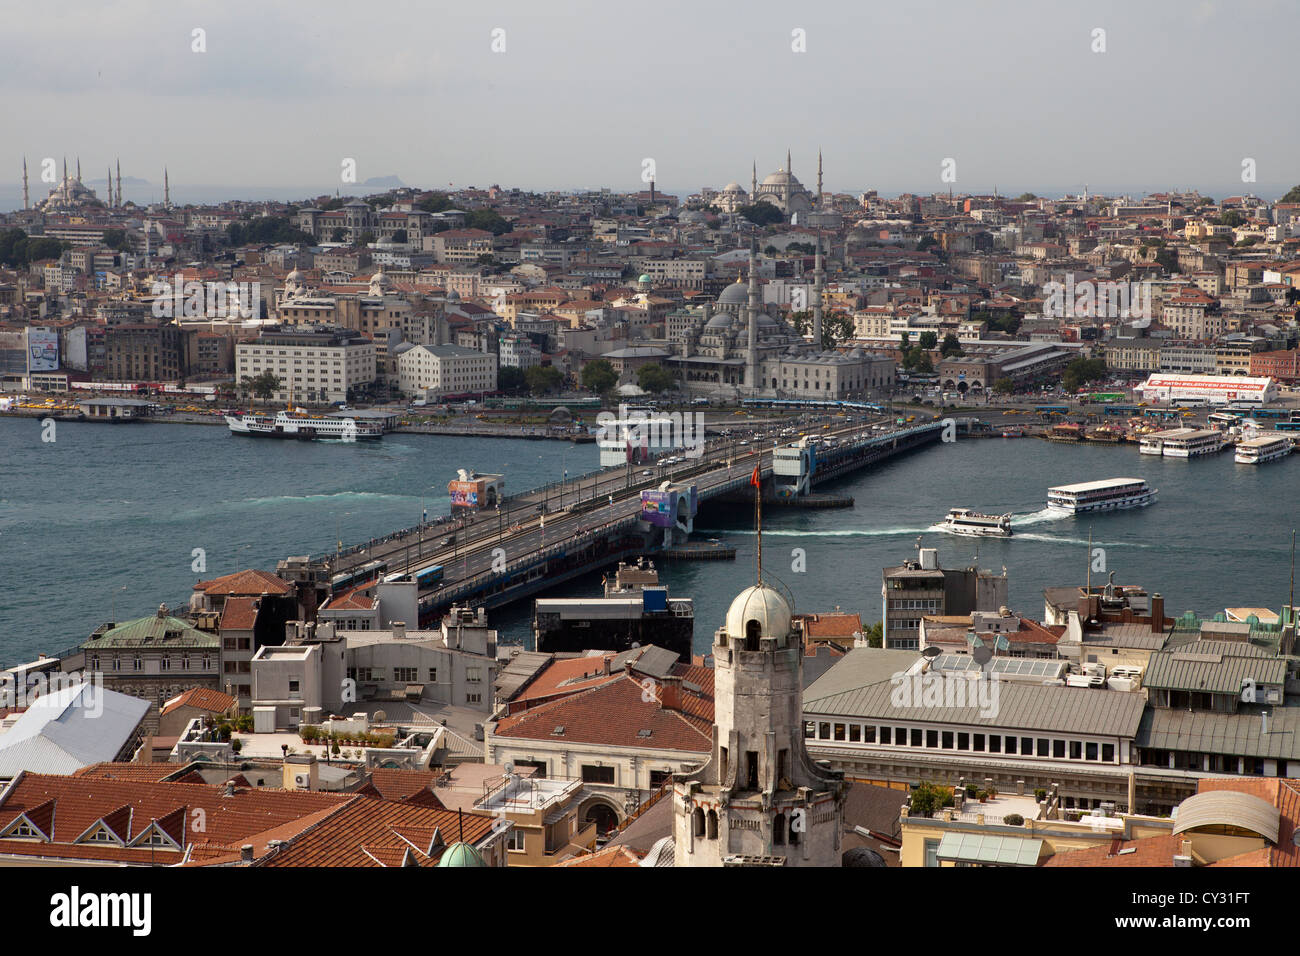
[(518, 351), (318, 364), (445, 369)]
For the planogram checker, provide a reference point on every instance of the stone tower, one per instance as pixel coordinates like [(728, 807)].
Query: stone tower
[(759, 800)]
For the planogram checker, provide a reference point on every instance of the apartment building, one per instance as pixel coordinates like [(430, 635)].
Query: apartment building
[(921, 588), (445, 370), (319, 364)]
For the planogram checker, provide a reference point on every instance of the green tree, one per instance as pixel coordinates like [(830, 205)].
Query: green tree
[(1081, 371), (928, 798), (263, 386), (1168, 260), (434, 202), (655, 378), (927, 243), (923, 362), (117, 240), (762, 214), (929, 340), (542, 379), (488, 220), (950, 346), (511, 380), (266, 230), (599, 376), (1004, 386), (1231, 218), (366, 238), (874, 634), (339, 234)]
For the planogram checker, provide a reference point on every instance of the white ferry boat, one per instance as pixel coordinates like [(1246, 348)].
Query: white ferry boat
[(1108, 494), (288, 424), (963, 521), (1183, 442), (1268, 446)]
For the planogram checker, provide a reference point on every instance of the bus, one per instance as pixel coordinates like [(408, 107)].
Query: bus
[(346, 580), (1121, 411), (428, 577), (1277, 414), (1103, 397), (1222, 419), (1286, 427)]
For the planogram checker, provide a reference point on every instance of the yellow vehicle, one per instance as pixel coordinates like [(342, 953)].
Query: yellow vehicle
[(1012, 411), (934, 418), (911, 418), (1142, 404)]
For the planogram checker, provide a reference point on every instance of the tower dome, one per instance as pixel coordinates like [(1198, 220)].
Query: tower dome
[(761, 604)]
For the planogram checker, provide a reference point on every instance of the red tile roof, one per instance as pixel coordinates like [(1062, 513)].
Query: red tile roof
[(1148, 851), (614, 713), (251, 582), (239, 614), (203, 698), (835, 624)]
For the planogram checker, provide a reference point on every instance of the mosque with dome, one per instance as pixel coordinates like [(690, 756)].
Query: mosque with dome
[(783, 190), (742, 348)]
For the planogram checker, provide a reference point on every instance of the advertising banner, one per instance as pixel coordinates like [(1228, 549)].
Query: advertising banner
[(657, 508), (42, 350), (464, 494)]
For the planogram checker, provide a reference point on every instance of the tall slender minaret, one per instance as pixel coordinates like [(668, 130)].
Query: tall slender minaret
[(119, 183), (78, 169), (167, 193), (26, 200), (819, 180), (110, 188), (753, 180), (65, 171), (819, 276), (751, 355)]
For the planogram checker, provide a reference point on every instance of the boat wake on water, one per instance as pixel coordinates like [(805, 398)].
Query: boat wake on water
[(1036, 517), (863, 533)]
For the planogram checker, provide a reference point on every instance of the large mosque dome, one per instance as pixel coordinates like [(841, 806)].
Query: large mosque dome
[(735, 294)]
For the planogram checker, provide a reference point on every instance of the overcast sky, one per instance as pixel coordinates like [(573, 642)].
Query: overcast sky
[(587, 89)]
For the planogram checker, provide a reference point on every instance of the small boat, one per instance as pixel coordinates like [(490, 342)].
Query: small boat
[(972, 524), (1013, 431)]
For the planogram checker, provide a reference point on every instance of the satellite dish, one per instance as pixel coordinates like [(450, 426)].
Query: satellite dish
[(932, 652), (982, 655), (510, 767), (379, 717)]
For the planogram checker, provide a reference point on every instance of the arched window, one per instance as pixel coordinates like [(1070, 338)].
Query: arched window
[(697, 821), (713, 825), (778, 830), (794, 831), (753, 631)]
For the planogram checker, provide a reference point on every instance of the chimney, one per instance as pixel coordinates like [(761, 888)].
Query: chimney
[(399, 630), (670, 694), (1157, 613), (606, 665), (246, 853), (1184, 855)]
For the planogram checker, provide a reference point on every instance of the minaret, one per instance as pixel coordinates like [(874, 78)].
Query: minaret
[(819, 275), (819, 180), (753, 180), (26, 201), (110, 188), (78, 169), (65, 172), (788, 186), (751, 355), (119, 183), (167, 194)]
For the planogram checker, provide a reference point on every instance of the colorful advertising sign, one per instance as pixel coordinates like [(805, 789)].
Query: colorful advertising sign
[(657, 508), (42, 350), (464, 494)]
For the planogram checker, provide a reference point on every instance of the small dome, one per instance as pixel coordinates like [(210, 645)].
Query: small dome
[(720, 321), (461, 854), (645, 278), (733, 188), (735, 294), (762, 604)]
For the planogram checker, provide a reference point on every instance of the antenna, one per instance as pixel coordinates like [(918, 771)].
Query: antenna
[(758, 521), (1089, 562)]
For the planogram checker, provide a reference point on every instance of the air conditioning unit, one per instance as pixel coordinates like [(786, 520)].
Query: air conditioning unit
[(302, 780)]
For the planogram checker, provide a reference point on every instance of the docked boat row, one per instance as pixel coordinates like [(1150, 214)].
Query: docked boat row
[(1184, 442)]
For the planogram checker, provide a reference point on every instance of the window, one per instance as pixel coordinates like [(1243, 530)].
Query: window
[(138, 665), (963, 741), (995, 744), (824, 731), (1108, 753), (474, 674), (916, 737), (1042, 746), (1076, 750), (1090, 750), (1058, 749), (809, 730), (886, 735), (855, 733), (751, 769), (593, 774), (433, 675), (515, 840), (947, 740), (839, 731), (473, 698), (405, 675), (932, 739), (295, 686)]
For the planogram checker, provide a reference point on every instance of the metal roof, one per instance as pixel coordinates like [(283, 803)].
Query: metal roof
[(1229, 808), (990, 850), (1071, 710), (70, 729), (523, 667), (153, 631), (1245, 735), (1210, 673)]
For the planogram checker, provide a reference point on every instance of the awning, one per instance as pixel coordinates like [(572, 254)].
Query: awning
[(985, 850)]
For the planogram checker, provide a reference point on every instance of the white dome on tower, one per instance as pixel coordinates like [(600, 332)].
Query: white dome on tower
[(762, 604)]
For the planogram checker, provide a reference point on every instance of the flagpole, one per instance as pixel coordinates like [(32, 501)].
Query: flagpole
[(758, 521)]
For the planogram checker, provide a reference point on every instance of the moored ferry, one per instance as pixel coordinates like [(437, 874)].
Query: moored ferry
[(288, 424), (1108, 494), (972, 524), (1268, 446), (1183, 442)]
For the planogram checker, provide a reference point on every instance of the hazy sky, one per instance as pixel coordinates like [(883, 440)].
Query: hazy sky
[(587, 89)]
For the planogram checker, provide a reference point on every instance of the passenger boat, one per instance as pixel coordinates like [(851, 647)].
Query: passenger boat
[(972, 524), (1066, 431), (1013, 431), (1183, 442), (1106, 434), (290, 424), (1108, 494), (1268, 446)]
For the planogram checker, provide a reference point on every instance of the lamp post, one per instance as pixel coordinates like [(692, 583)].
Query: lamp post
[(122, 588)]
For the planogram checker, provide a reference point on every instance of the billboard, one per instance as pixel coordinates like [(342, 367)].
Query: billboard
[(464, 494), (657, 508), (42, 350)]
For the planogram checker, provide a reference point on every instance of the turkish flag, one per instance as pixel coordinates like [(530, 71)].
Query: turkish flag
[(753, 479)]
